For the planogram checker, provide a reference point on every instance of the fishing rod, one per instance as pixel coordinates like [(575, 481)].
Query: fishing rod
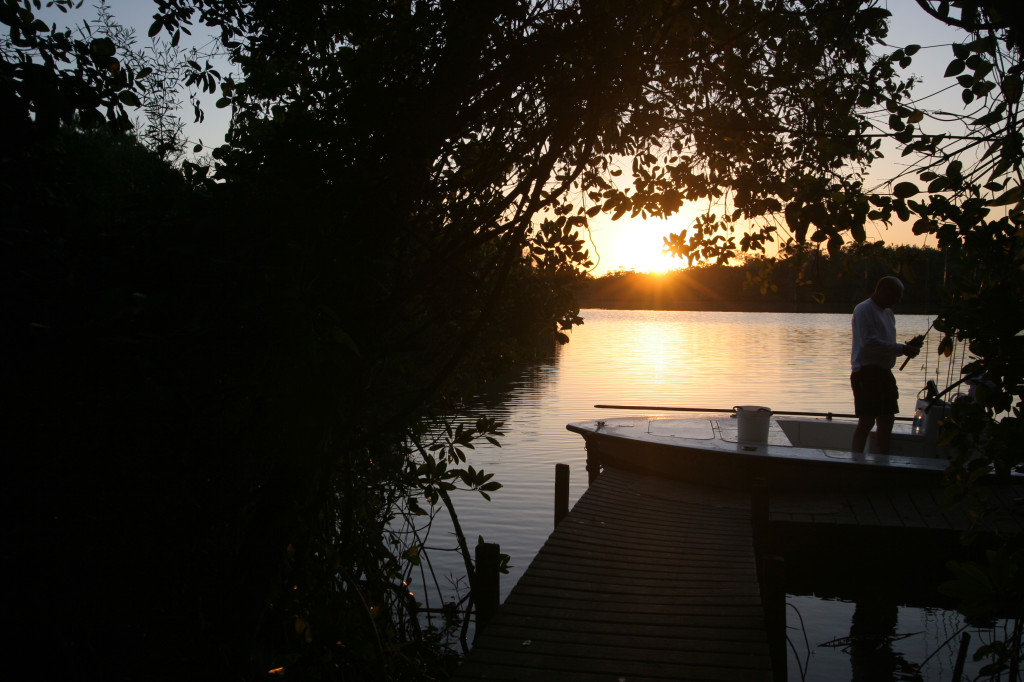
[(922, 341), (787, 413)]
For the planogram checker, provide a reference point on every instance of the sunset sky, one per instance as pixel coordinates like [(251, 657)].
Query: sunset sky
[(637, 244)]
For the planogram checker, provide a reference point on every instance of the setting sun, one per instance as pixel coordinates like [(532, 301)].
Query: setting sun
[(634, 245)]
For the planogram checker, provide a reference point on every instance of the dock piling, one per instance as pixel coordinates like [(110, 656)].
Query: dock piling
[(759, 512), (561, 492), (773, 594), (961, 657), (771, 577), (486, 591), (593, 463)]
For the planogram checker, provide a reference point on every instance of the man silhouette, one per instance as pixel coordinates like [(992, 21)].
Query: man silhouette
[(872, 358)]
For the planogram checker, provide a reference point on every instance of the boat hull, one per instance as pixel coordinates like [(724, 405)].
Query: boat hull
[(707, 452)]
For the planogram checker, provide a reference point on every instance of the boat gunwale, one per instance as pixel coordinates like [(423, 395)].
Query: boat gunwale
[(757, 451)]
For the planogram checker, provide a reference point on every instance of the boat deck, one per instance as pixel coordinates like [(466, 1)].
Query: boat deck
[(719, 436), (651, 579)]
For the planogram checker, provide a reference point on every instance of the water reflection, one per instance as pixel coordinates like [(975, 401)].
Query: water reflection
[(865, 606), (709, 359), (675, 358), (872, 633), (828, 641)]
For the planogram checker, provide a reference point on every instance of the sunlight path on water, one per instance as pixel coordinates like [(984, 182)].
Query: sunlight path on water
[(691, 359), (785, 361)]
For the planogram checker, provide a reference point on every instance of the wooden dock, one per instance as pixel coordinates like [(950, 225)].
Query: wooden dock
[(639, 582), (650, 579), (912, 509)]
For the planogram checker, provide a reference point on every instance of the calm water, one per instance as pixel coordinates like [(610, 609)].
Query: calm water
[(692, 359)]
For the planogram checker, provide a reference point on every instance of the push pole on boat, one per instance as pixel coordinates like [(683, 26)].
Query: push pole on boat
[(786, 413), (733, 410)]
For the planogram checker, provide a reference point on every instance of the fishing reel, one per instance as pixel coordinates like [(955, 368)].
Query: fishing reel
[(929, 392)]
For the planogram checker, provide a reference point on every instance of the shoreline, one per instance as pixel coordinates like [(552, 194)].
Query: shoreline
[(742, 306)]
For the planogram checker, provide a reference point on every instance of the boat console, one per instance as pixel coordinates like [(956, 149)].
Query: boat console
[(837, 435)]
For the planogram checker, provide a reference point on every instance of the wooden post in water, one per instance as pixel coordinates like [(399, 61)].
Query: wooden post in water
[(961, 657), (773, 590), (486, 592), (759, 512), (593, 463), (771, 576), (561, 492)]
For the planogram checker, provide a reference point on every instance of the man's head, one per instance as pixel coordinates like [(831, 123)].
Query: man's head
[(888, 292)]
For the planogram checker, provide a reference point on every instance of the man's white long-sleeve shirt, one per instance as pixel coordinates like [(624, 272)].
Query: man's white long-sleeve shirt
[(874, 336)]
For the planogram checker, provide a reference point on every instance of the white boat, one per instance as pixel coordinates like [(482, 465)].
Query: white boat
[(788, 450)]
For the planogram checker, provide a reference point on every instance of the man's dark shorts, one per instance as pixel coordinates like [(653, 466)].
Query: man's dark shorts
[(874, 392)]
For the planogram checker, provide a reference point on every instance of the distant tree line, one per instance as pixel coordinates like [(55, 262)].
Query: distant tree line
[(805, 280)]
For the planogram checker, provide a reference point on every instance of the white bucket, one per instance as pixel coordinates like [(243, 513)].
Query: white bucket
[(926, 423), (752, 422)]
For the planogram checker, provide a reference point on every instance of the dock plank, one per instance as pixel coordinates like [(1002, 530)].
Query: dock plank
[(727, 613)]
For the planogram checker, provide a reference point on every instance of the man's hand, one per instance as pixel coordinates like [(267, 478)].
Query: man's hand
[(913, 347)]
